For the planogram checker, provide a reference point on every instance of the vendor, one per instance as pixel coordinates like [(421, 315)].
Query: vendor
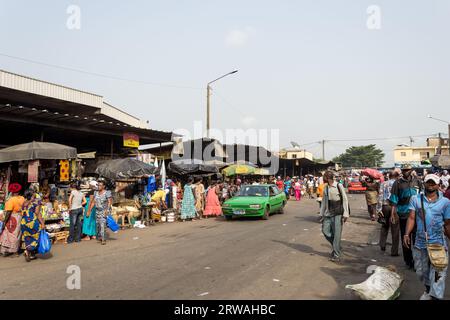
[(45, 189), (159, 198)]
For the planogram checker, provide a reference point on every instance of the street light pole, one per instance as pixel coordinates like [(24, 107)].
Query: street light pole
[(208, 101), (440, 143)]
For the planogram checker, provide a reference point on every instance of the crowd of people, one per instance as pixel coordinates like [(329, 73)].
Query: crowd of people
[(416, 210)]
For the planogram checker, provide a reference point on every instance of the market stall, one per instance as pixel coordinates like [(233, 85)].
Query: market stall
[(133, 178), (47, 168)]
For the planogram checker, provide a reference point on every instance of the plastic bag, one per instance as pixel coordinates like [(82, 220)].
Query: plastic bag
[(383, 284), (112, 224), (44, 242)]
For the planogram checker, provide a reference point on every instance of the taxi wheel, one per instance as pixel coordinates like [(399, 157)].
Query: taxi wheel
[(281, 211), (266, 214)]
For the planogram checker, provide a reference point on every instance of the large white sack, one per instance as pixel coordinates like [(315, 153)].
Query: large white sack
[(383, 284)]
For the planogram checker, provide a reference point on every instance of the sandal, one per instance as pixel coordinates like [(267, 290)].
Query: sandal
[(103, 242), (27, 257)]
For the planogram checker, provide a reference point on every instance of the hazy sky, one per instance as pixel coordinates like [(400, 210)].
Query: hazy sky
[(312, 69)]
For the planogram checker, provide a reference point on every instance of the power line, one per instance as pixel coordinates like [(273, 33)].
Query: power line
[(380, 139), (98, 74), (228, 103)]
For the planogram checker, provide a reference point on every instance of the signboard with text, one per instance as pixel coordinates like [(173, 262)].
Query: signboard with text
[(130, 140)]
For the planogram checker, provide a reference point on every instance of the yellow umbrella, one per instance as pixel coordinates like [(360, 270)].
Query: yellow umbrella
[(238, 169)]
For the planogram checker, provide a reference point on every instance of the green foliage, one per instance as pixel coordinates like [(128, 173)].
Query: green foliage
[(362, 156)]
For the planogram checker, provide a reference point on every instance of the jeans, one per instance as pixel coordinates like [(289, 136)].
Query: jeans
[(428, 275), (332, 230), (76, 225)]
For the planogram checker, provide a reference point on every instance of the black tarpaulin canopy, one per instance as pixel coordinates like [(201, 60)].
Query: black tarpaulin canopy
[(37, 151), (126, 168), (192, 168)]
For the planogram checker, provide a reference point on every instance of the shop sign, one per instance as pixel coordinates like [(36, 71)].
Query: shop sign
[(130, 140)]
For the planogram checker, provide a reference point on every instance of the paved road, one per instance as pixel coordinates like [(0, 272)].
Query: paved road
[(285, 257)]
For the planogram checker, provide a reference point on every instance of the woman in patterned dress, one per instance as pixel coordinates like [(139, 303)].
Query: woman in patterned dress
[(31, 224), (188, 205), (103, 203), (10, 235)]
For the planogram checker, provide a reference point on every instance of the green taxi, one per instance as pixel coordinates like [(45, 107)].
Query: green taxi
[(255, 201)]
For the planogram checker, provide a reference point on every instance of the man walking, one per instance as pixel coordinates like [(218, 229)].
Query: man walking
[(335, 212), (77, 200), (430, 211), (403, 189), (385, 215)]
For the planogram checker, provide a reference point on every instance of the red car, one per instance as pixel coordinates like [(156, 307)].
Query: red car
[(355, 186)]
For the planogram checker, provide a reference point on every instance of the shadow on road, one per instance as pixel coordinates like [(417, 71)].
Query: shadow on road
[(303, 248)]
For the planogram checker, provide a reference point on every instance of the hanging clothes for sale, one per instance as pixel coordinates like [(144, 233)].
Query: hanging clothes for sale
[(74, 169), (33, 171), (64, 170)]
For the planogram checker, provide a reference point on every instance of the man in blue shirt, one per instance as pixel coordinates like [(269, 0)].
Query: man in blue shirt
[(402, 190), (436, 213)]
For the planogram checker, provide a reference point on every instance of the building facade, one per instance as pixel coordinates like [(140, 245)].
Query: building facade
[(418, 155)]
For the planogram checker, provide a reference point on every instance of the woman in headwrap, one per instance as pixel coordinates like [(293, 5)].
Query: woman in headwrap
[(188, 205), (32, 223), (10, 235)]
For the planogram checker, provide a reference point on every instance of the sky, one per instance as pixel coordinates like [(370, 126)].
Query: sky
[(314, 70)]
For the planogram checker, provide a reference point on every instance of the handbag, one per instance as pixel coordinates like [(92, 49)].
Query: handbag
[(436, 252), (336, 207)]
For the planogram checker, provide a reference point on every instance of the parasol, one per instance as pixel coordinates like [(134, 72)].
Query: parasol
[(37, 151), (236, 169)]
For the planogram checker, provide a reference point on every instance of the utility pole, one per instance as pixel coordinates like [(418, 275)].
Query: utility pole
[(208, 104), (208, 95), (440, 144), (323, 150)]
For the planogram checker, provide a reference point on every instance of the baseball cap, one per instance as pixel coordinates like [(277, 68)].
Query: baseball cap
[(407, 167), (432, 177)]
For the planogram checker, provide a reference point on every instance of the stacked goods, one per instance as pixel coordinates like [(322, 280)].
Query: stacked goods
[(374, 174)]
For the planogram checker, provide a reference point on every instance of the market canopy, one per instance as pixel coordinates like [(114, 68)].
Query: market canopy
[(37, 151), (126, 168), (192, 168)]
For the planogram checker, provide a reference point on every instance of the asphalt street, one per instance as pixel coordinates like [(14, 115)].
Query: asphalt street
[(285, 257)]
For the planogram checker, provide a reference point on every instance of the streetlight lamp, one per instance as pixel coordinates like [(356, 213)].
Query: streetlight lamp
[(208, 95), (448, 123)]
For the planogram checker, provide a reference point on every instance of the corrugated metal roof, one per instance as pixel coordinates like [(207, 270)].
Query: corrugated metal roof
[(30, 85)]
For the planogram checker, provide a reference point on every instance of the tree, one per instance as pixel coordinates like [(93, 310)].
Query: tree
[(361, 156)]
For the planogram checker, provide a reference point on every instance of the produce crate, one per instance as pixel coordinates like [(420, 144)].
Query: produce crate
[(61, 237)]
